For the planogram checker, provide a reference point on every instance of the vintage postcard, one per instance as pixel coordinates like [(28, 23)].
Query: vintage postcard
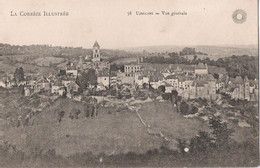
[(129, 83)]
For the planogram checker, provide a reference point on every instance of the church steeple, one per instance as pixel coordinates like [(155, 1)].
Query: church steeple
[(96, 45), (96, 52)]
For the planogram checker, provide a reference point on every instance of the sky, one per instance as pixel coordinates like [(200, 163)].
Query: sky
[(208, 22)]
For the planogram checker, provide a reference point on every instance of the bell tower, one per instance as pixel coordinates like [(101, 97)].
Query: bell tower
[(96, 52)]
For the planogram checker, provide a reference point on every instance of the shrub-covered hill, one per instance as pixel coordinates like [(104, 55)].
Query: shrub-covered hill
[(110, 132)]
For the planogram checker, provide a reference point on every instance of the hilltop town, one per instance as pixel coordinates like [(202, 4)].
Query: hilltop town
[(148, 97), (190, 81)]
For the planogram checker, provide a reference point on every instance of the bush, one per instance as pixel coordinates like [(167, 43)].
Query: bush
[(166, 96), (184, 108), (60, 115), (193, 110), (161, 88)]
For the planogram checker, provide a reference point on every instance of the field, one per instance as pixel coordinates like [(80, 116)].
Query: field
[(124, 60), (47, 61), (114, 131), (162, 117), (111, 132), (28, 68), (191, 57)]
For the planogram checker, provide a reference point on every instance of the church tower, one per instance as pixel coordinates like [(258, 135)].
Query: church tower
[(96, 52), (247, 88)]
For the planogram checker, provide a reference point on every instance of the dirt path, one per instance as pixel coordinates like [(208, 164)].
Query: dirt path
[(150, 130), (1, 124)]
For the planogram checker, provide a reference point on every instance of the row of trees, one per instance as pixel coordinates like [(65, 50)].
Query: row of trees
[(116, 67), (235, 65), (180, 104), (186, 108), (218, 138), (89, 112), (86, 79)]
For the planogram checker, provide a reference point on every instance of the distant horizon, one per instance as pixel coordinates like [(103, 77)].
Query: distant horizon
[(144, 46)]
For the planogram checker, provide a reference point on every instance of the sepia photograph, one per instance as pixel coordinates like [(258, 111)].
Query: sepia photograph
[(129, 83)]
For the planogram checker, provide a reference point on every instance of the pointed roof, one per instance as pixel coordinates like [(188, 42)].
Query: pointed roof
[(171, 77), (96, 45), (209, 77), (238, 80), (156, 77), (164, 71), (198, 83), (200, 66), (178, 68), (42, 80), (246, 79)]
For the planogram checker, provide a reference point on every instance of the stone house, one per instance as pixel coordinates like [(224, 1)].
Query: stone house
[(201, 69), (239, 88)]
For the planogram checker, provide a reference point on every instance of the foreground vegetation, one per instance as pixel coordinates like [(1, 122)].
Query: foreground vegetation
[(216, 151), (115, 136)]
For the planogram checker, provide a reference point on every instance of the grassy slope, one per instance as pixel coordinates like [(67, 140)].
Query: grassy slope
[(108, 133), (119, 132), (47, 60), (27, 68), (161, 116)]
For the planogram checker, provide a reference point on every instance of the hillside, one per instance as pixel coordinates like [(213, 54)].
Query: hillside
[(115, 130), (214, 52)]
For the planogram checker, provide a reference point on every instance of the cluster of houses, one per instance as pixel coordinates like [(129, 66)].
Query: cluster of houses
[(34, 83), (243, 89), (191, 82)]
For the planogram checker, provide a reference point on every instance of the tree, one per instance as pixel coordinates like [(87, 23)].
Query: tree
[(182, 144), (82, 81), (87, 112), (60, 115), (21, 89), (86, 79), (174, 95), (193, 110), (221, 133), (77, 114), (216, 76), (91, 77), (61, 73), (174, 98), (74, 114), (19, 74), (116, 67), (161, 88), (201, 144), (184, 108), (92, 111), (179, 98), (188, 51), (145, 85), (119, 95), (195, 57), (166, 96), (113, 67)]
